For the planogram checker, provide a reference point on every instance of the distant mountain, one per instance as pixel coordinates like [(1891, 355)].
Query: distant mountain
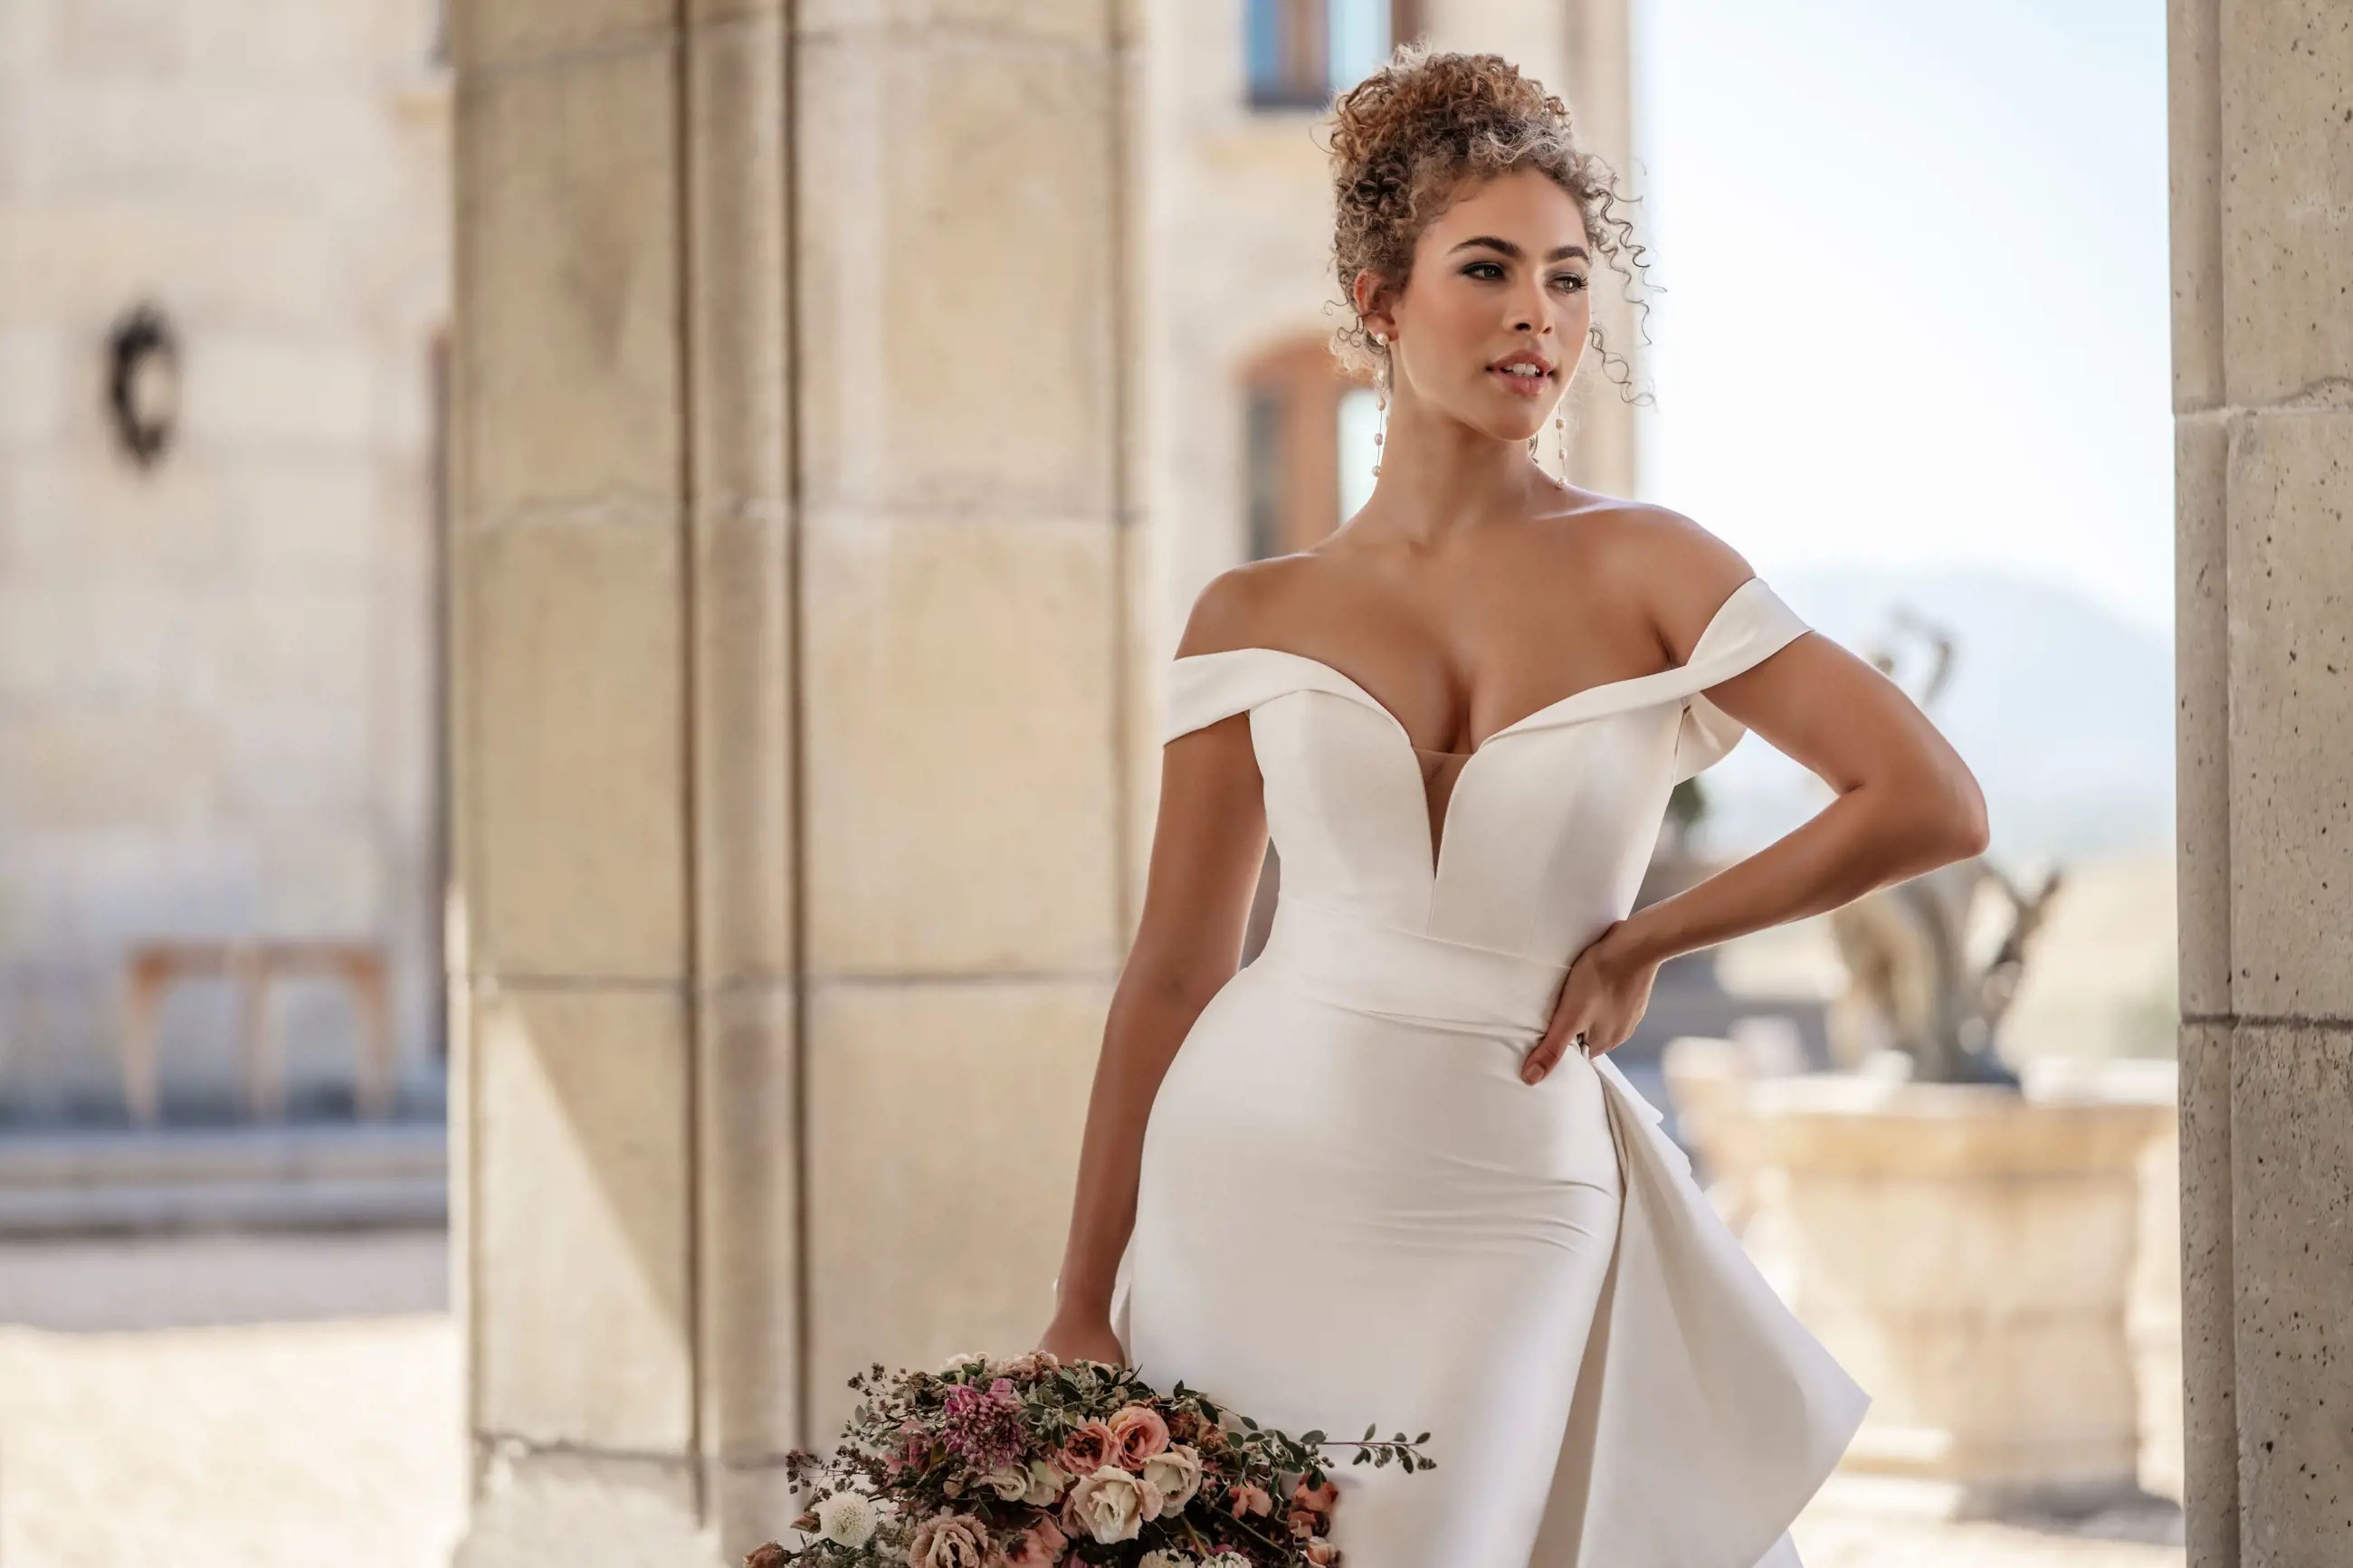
[(2063, 709)]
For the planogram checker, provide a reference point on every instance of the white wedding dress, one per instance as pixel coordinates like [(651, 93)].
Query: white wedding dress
[(1352, 1211)]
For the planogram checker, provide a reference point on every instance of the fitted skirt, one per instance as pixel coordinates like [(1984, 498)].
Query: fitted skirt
[(1350, 1216)]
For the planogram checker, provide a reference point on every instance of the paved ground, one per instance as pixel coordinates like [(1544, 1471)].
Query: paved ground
[(228, 1403), (292, 1401), (1833, 1542)]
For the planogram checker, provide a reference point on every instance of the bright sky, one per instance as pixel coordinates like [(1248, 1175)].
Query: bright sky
[(1913, 302)]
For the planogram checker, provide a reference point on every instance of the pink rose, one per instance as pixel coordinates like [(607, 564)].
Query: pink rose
[(1029, 1363), (1321, 1499), (1320, 1551), (1042, 1545), (1088, 1449), (1247, 1498), (1137, 1432), (948, 1540)]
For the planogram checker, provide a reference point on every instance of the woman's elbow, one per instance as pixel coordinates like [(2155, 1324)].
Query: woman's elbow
[(1170, 976), (1961, 825), (1930, 820)]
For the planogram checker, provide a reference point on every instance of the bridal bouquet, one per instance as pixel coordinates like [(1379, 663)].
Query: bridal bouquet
[(1031, 1462)]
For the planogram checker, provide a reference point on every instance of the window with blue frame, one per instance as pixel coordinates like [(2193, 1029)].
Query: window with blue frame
[(1300, 54)]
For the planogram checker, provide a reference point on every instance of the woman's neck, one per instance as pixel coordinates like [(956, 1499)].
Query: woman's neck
[(1440, 478)]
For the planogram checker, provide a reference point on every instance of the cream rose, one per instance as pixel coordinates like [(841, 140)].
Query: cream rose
[(1046, 1484), (1011, 1483), (1176, 1471), (948, 1540), (1111, 1505)]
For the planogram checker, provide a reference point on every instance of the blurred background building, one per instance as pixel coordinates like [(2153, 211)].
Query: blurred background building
[(223, 325), (221, 657), (581, 588)]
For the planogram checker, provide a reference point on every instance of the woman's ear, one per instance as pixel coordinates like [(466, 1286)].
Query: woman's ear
[(1372, 303)]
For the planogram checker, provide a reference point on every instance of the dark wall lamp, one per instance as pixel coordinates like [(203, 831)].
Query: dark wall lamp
[(142, 389)]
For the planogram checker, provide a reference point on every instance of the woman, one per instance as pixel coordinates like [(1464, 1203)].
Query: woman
[(1385, 1173)]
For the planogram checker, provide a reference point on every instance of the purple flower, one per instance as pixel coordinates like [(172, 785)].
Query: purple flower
[(983, 1427)]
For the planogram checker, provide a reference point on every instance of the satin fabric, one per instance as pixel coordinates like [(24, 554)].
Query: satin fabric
[(1352, 1210)]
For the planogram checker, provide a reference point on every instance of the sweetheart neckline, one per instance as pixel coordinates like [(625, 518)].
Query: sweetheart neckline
[(1439, 835), (1524, 720)]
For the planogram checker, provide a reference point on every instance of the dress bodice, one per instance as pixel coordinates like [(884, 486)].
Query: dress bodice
[(1547, 825)]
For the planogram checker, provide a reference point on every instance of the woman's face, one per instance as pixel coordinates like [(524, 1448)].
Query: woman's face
[(1502, 276)]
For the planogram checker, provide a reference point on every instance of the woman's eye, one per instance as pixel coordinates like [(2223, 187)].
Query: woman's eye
[(1572, 280), (1472, 270)]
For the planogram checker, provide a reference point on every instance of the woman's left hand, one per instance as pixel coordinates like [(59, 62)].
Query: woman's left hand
[(1603, 996)]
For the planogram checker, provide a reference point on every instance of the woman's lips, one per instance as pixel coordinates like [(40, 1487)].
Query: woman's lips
[(1522, 385)]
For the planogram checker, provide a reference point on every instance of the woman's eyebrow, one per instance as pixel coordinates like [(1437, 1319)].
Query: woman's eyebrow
[(1559, 252)]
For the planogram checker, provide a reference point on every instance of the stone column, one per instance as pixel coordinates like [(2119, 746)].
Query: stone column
[(794, 722), (973, 731), (2263, 354)]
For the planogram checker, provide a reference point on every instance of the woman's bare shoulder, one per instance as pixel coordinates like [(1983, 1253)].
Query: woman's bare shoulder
[(1681, 570), (1237, 607)]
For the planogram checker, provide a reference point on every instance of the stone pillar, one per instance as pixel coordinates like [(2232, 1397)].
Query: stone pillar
[(794, 722), (974, 733), (2263, 356)]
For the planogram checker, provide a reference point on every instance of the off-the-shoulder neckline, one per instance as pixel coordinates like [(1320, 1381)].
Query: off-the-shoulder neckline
[(1554, 708)]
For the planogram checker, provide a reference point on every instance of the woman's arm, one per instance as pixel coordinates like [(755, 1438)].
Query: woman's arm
[(1906, 803), (1207, 842)]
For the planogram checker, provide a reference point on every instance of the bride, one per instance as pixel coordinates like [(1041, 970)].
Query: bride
[(1385, 1173)]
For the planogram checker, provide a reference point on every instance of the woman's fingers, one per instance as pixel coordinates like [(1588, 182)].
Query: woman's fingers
[(1547, 1051)]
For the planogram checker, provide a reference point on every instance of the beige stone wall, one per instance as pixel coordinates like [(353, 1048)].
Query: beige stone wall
[(1239, 250), (215, 676), (796, 719), (2263, 354)]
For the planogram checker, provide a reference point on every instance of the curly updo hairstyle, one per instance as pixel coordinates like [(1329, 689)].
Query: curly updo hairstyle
[(1411, 136)]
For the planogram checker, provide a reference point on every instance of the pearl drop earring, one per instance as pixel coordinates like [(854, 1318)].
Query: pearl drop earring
[(1382, 400)]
